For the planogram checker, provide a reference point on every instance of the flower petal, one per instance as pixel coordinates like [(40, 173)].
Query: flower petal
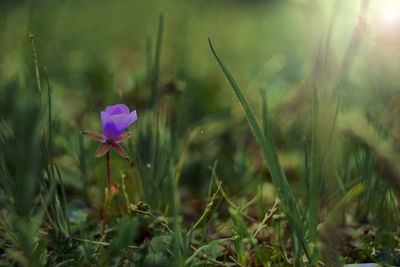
[(94, 136), (119, 150), (102, 149), (110, 130), (122, 121), (122, 137), (117, 109)]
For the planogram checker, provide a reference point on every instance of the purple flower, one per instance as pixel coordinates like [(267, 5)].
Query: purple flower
[(115, 119)]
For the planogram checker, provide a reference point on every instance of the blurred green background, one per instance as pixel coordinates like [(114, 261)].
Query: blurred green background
[(271, 45), (96, 53)]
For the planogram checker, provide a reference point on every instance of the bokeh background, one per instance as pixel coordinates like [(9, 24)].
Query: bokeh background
[(97, 54)]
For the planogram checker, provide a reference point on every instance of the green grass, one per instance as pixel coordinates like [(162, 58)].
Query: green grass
[(298, 166)]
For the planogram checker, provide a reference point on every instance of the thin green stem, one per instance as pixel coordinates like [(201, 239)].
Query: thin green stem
[(100, 243), (154, 218), (156, 64), (35, 62), (50, 135)]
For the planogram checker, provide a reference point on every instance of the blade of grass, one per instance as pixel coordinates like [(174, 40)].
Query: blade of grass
[(35, 62), (157, 57), (149, 60), (58, 205), (178, 239), (269, 151), (241, 228), (315, 180), (50, 132), (63, 201), (298, 242), (207, 211)]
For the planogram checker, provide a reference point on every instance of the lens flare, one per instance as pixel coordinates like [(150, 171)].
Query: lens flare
[(390, 14)]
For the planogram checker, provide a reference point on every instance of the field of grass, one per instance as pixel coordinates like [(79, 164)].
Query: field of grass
[(267, 133)]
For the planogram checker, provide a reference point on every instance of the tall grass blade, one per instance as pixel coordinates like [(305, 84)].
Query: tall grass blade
[(269, 151), (178, 238), (156, 65), (35, 62), (50, 128), (58, 206), (314, 192)]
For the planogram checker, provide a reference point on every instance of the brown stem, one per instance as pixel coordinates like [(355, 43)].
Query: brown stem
[(108, 173), (105, 214)]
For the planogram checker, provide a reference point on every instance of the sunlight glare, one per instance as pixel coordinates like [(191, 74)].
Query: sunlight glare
[(390, 14)]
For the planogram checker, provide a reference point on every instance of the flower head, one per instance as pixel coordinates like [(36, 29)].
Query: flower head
[(115, 119)]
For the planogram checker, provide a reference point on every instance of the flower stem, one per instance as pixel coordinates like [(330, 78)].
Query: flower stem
[(107, 197), (108, 173)]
